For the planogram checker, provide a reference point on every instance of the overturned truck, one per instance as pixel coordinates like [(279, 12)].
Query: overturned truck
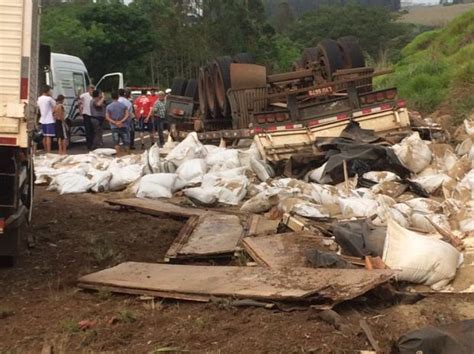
[(329, 87)]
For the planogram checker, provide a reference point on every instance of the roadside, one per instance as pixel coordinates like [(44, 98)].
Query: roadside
[(77, 234)]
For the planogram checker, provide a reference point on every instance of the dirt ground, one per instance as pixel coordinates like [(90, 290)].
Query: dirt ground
[(77, 234)]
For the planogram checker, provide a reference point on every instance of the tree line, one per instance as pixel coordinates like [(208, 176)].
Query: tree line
[(153, 41)]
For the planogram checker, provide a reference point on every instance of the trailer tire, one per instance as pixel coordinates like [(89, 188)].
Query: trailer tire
[(192, 89), (244, 58), (330, 58), (221, 76), (309, 55), (352, 52), (178, 86)]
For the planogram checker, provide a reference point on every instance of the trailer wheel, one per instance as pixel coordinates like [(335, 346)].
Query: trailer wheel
[(244, 58), (178, 86), (351, 52), (310, 55), (221, 75), (203, 107), (330, 58), (192, 89)]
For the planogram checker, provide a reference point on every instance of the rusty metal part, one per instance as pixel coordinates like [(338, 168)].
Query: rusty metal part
[(247, 76), (221, 78), (211, 94), (244, 103), (203, 105)]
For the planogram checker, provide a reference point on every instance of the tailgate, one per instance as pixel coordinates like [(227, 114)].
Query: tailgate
[(281, 144)]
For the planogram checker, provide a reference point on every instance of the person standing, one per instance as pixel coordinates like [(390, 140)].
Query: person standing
[(85, 109), (153, 97), (117, 115), (97, 118), (157, 116), (123, 100), (142, 109), (46, 106), (59, 114)]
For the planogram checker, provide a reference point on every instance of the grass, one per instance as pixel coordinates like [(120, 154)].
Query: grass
[(70, 326), (5, 312), (437, 68), (127, 316), (103, 250)]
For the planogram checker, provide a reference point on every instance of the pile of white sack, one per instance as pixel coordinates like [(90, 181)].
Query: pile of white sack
[(208, 174)]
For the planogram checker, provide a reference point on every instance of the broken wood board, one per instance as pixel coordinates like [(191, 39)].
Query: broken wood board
[(323, 287), (259, 225), (284, 250), (156, 207), (206, 236)]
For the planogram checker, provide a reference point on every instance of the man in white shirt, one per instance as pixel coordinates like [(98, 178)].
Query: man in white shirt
[(46, 106), (85, 109)]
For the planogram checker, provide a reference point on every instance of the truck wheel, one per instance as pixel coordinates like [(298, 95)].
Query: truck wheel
[(192, 89), (203, 107), (310, 55), (330, 58), (244, 58), (221, 76), (178, 86), (351, 52)]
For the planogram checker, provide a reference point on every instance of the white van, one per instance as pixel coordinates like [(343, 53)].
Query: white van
[(68, 76)]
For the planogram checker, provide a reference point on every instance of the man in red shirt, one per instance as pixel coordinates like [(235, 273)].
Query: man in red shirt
[(142, 106), (153, 97)]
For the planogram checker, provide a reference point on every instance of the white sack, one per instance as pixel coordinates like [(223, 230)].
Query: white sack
[(100, 180), (464, 147), (158, 185), (189, 148), (192, 171), (104, 152), (316, 175), (260, 203), (424, 205), (432, 182), (419, 220), (202, 195), (223, 159), (123, 176), (421, 259), (153, 158), (413, 153), (381, 176), (357, 207), (310, 210), (68, 183), (261, 169)]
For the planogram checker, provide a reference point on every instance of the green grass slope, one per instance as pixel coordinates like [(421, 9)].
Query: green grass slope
[(436, 70)]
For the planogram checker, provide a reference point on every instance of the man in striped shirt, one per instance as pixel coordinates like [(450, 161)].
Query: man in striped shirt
[(158, 117)]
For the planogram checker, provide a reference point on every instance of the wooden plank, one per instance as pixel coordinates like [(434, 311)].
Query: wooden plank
[(259, 225), (283, 250), (207, 236), (328, 286), (156, 207), (213, 234), (182, 237)]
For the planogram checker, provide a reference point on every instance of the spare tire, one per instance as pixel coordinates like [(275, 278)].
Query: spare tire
[(203, 107), (244, 58), (352, 52), (221, 77), (330, 58), (178, 86), (192, 89)]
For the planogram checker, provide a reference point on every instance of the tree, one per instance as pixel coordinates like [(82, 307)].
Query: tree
[(284, 17)]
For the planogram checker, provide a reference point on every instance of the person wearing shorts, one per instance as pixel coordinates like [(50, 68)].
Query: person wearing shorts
[(46, 106), (61, 131), (117, 114), (142, 108)]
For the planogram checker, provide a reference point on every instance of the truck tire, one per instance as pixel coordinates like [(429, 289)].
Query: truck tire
[(244, 58), (221, 76), (330, 58), (352, 52), (178, 86), (203, 107), (192, 89), (309, 55)]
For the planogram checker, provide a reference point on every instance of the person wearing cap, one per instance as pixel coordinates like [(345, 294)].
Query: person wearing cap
[(85, 109), (167, 93), (157, 116)]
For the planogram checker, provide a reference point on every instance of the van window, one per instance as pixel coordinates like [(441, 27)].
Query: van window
[(79, 83), (109, 84)]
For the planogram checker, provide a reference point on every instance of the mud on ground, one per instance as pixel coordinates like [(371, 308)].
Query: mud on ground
[(79, 234)]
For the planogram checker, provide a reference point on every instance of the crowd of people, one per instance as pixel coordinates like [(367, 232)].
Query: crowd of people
[(145, 114)]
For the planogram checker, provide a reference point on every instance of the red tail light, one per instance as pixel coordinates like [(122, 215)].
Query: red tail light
[(270, 118), (261, 119), (401, 103), (390, 94), (380, 96)]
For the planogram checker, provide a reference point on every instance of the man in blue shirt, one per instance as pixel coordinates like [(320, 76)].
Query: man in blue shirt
[(117, 115)]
